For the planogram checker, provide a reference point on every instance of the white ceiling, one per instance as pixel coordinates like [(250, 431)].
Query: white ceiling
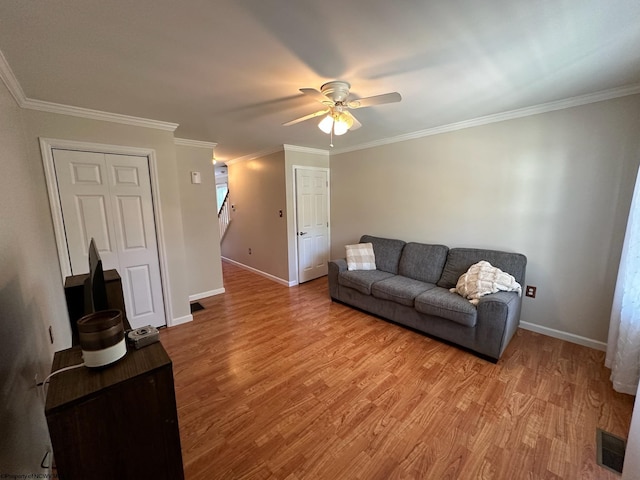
[(228, 71)]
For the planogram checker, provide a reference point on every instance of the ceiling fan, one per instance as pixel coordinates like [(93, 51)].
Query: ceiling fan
[(335, 97)]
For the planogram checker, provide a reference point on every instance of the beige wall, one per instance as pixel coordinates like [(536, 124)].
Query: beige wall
[(31, 295), (555, 186), (64, 127), (200, 221), (297, 157), (257, 190), (31, 286)]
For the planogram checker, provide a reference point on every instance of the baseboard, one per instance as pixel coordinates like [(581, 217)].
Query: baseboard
[(210, 293), (180, 320), (281, 281), (569, 337)]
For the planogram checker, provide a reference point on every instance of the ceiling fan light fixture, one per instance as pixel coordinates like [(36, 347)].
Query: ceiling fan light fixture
[(341, 125), (326, 124), (334, 96)]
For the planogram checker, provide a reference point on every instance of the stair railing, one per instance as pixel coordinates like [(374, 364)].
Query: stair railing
[(224, 216)]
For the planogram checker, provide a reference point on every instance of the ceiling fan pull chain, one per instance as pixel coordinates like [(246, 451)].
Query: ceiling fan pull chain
[(332, 127)]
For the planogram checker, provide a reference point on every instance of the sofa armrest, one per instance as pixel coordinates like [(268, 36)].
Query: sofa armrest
[(499, 313), (335, 267), (499, 306), (340, 263), (500, 297)]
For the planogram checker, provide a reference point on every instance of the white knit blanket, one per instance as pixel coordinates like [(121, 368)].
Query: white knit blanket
[(482, 279)]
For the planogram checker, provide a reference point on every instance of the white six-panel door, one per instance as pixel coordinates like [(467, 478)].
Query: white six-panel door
[(312, 220), (108, 197)]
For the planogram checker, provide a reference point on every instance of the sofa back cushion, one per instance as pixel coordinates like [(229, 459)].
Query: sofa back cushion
[(460, 259), (423, 262), (387, 252)]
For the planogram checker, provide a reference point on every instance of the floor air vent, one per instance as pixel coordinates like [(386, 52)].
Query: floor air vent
[(196, 307), (610, 451)]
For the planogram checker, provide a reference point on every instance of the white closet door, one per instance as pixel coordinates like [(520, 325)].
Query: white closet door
[(135, 233), (108, 197), (86, 207), (312, 201)]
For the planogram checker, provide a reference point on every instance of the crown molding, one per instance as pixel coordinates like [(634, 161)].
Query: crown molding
[(14, 87), (501, 117), (296, 148), (90, 114), (185, 142), (10, 80)]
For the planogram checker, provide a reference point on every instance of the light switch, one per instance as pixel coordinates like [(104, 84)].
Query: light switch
[(195, 177)]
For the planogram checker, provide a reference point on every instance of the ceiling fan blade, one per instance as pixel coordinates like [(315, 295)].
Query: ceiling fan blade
[(392, 97), (317, 96), (306, 117), (356, 124)]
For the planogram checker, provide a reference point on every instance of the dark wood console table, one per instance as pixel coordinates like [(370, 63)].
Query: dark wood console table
[(119, 421)]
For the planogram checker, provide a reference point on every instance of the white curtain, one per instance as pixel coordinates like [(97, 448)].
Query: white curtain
[(623, 347)]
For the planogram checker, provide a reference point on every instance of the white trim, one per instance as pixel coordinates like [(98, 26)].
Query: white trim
[(474, 122), (210, 293), (46, 146), (501, 117), (569, 337), (279, 280), (296, 148), (10, 80), (295, 212), (162, 249), (91, 114), (185, 142), (180, 320)]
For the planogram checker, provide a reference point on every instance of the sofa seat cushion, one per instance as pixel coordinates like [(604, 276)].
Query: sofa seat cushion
[(440, 302), (362, 280), (400, 289)]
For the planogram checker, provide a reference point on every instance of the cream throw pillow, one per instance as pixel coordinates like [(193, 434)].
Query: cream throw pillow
[(361, 257), (482, 279)]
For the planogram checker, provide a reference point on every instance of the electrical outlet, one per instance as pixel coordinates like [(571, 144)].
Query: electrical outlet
[(249, 251), (530, 291)]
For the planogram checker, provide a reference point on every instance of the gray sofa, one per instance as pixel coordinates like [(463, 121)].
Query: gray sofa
[(410, 286)]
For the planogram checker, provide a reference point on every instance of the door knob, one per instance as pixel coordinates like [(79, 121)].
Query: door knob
[(302, 233)]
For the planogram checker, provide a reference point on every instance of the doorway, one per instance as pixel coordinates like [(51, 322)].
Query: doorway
[(312, 222), (106, 193)]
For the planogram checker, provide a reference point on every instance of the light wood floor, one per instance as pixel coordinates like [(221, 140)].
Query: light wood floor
[(281, 383)]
